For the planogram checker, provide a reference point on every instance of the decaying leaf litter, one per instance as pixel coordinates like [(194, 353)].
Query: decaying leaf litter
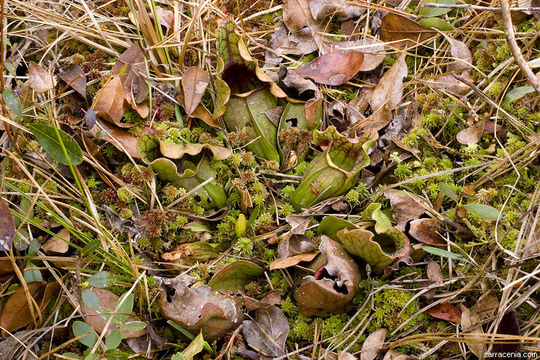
[(304, 179)]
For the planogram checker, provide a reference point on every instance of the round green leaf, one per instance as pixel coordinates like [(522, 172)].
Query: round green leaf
[(81, 328)]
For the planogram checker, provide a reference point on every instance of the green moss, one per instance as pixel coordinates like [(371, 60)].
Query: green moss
[(243, 247), (389, 303), (124, 194)]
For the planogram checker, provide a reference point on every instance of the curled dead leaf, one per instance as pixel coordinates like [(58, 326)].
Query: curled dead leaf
[(445, 311), (40, 79), (130, 68), (434, 272), (194, 83), (373, 344), (268, 332), (75, 77), (198, 308), (334, 68), (470, 322), (120, 138), (405, 207), (7, 226), (6, 266), (57, 244), (389, 90), (16, 312), (426, 231), (471, 135), (191, 253), (292, 260), (401, 31), (109, 102)]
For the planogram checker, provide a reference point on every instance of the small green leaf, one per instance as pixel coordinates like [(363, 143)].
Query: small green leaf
[(90, 247), (32, 275), (46, 136), (443, 253), (133, 325), (433, 12), (181, 329), (195, 347), (518, 93), (89, 298), (113, 339), (81, 328), (436, 23), (100, 280), (125, 308), (483, 211), (448, 191), (12, 102), (70, 355), (177, 356)]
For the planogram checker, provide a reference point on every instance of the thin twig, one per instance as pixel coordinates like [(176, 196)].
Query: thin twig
[(516, 51), (476, 7)]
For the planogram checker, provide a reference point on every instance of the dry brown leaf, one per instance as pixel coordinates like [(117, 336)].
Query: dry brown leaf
[(343, 355), (470, 323), (426, 231), (472, 134), (389, 90), (16, 312), (131, 69), (299, 43), (334, 68), (486, 307), (194, 83), (57, 244), (7, 226), (340, 9), (532, 246), (396, 27), (39, 79), (109, 102), (376, 121), (121, 139), (373, 344), (291, 261), (199, 308), (97, 321), (405, 207), (297, 15), (373, 51), (299, 20), (6, 266), (445, 311), (268, 333), (461, 53), (165, 17), (394, 355), (75, 77), (434, 272), (202, 113)]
